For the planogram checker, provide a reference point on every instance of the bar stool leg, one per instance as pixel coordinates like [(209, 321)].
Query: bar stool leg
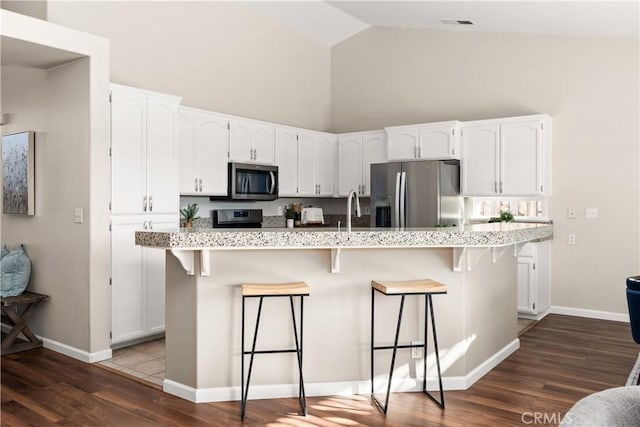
[(393, 360), (429, 307), (373, 307), (242, 402), (253, 350), (426, 336), (303, 399)]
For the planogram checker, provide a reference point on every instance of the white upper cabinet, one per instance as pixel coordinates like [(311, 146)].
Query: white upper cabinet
[(287, 161), (403, 143), (374, 150), (316, 164), (204, 142), (521, 150), (251, 142), (349, 164), (507, 157), (433, 141), (144, 162), (480, 159), (356, 153)]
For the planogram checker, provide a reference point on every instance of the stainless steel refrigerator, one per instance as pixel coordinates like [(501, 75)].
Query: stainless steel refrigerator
[(416, 194)]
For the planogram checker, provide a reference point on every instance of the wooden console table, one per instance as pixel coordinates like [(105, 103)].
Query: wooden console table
[(16, 316)]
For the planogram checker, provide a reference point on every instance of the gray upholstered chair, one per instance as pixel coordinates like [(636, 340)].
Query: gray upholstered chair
[(615, 407)]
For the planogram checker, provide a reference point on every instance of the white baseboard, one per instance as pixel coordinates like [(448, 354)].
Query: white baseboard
[(593, 314), (76, 353), (535, 317), (276, 391)]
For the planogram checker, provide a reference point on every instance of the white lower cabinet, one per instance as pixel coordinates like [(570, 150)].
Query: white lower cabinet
[(137, 278), (533, 280)]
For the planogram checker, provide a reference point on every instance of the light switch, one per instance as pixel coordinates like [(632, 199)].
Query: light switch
[(78, 215), (591, 213), (571, 213), (571, 239)]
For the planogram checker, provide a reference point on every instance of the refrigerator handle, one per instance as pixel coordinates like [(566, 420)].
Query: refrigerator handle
[(403, 197), (396, 204)]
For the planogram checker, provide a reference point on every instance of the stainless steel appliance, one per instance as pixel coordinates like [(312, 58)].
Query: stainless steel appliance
[(416, 194), (252, 182), (236, 218)]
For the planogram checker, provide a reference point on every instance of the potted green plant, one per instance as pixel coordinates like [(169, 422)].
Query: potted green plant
[(504, 217), (189, 214)]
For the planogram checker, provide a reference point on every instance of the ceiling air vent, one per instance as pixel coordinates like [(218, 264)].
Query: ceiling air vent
[(457, 21)]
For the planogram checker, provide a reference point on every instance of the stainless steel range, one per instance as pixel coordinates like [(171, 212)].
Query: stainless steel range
[(236, 218)]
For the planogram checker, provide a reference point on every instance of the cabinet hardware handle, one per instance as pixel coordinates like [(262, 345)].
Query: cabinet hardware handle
[(144, 203), (415, 152), (453, 151), (144, 225), (151, 225), (196, 184), (419, 151), (150, 204), (542, 188), (200, 184), (495, 187), (500, 187), (255, 154)]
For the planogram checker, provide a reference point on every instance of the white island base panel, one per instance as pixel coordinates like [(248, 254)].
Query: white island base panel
[(476, 321)]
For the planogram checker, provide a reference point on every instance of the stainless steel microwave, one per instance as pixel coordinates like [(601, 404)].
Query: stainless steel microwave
[(249, 181)]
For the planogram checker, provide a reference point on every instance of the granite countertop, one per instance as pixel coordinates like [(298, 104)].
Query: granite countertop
[(473, 235)]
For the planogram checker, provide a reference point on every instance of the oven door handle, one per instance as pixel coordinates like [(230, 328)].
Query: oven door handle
[(273, 183)]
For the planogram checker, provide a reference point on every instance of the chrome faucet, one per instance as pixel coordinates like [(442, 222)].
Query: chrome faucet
[(349, 201)]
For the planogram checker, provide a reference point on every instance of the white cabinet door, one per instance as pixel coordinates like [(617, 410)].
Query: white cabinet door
[(287, 161), (128, 152), (251, 142), (154, 278), (437, 142), (137, 278), (521, 158), (127, 290), (374, 150), (188, 154), (325, 165), (162, 157), (403, 143), (240, 141), (349, 164), (213, 144), (480, 160), (306, 165), (526, 285), (264, 138)]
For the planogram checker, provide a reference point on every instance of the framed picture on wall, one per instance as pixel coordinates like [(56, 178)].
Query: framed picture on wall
[(18, 173)]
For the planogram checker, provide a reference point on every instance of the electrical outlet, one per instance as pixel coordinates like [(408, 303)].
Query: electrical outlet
[(280, 211), (571, 239), (591, 213), (416, 352), (366, 210), (571, 213)]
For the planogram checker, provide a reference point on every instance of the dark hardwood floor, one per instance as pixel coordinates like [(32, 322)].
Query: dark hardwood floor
[(561, 359)]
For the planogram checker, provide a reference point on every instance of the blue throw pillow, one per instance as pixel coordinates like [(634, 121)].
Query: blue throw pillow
[(15, 270)]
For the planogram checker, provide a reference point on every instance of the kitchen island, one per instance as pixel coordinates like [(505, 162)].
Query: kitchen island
[(476, 320)]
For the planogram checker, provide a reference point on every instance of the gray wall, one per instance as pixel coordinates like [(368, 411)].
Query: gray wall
[(386, 76), (218, 56), (54, 104)]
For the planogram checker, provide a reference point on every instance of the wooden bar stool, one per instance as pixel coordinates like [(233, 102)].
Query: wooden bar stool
[(267, 290), (426, 287)]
